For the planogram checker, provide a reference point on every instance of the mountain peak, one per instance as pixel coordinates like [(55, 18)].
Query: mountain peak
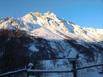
[(48, 25)]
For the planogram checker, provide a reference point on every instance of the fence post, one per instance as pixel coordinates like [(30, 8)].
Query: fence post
[(27, 73), (73, 62)]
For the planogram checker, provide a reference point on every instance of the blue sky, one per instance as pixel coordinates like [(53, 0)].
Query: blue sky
[(87, 13)]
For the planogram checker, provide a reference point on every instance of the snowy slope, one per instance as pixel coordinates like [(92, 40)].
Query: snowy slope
[(54, 37), (49, 25)]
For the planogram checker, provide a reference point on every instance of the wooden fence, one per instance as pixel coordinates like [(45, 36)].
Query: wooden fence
[(26, 72)]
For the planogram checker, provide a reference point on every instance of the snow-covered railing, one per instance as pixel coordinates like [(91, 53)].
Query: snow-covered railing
[(91, 66), (49, 71), (12, 72), (28, 71)]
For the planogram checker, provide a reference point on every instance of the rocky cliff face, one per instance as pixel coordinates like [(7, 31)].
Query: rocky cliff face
[(45, 36)]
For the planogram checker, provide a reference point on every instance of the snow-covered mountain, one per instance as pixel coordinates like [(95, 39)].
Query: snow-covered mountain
[(49, 26), (44, 35)]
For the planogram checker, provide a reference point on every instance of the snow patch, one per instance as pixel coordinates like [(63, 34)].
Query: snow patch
[(33, 48)]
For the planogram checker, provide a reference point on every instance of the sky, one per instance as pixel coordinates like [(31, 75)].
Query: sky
[(86, 13)]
